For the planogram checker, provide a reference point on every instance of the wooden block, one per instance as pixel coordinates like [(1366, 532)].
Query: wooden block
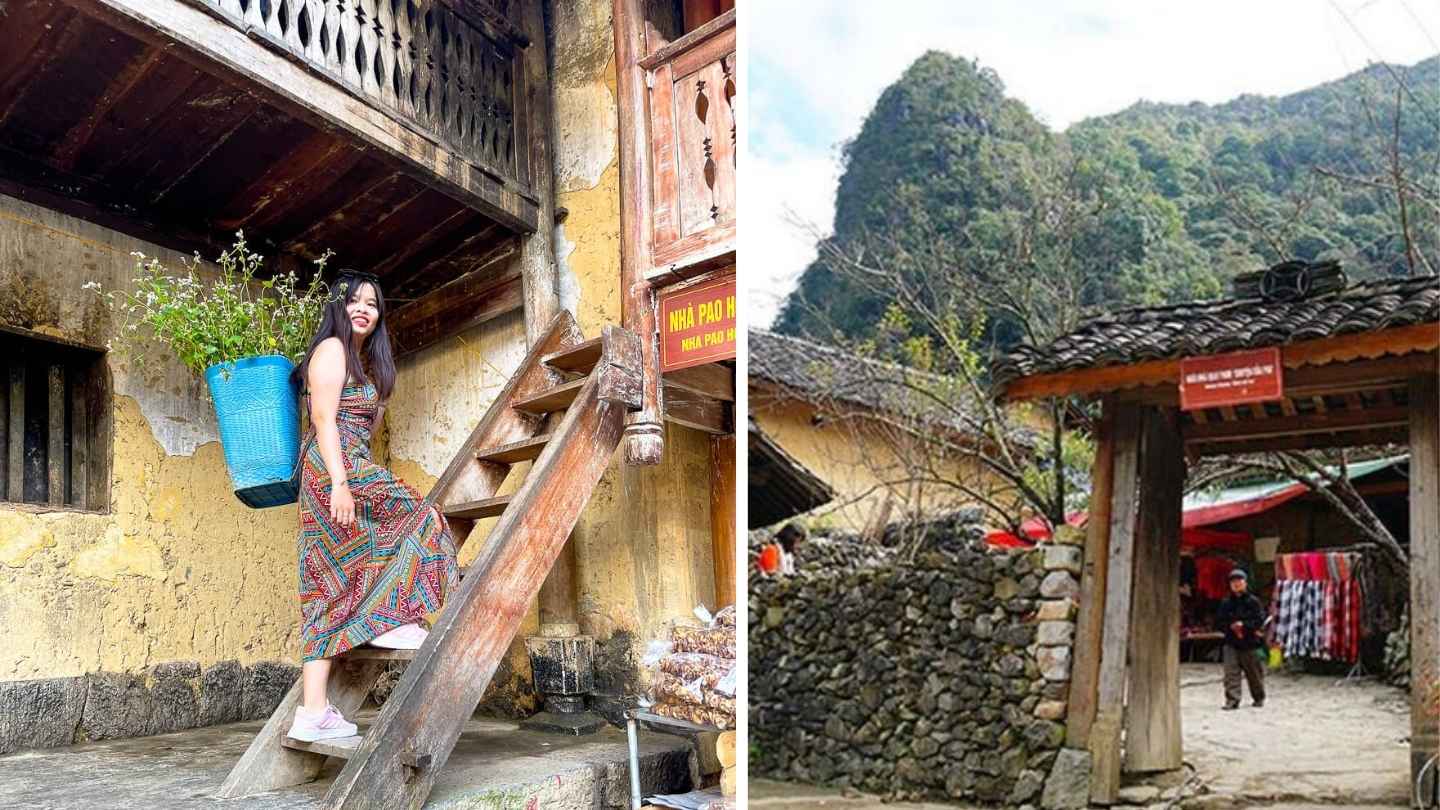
[(728, 779), (706, 757), (725, 749)]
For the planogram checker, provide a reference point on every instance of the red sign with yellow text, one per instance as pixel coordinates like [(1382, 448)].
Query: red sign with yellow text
[(1231, 379), (697, 324)]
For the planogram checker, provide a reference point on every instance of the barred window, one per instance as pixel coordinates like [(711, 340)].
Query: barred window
[(54, 422)]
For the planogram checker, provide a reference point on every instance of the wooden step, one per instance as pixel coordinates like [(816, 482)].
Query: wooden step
[(378, 654), (552, 399), (475, 510), (577, 359), (342, 747), (515, 452)]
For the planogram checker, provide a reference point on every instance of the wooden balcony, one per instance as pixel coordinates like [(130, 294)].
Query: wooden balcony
[(692, 138), (405, 135)]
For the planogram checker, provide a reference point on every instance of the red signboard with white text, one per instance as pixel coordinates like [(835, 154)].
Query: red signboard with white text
[(1231, 379), (697, 324)]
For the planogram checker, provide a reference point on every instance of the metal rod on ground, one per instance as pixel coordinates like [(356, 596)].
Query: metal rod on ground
[(634, 738)]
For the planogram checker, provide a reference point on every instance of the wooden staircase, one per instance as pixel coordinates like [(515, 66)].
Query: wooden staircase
[(594, 383)]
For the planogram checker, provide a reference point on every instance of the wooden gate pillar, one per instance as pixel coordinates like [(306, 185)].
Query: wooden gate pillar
[(1148, 481), (1090, 623), (722, 516), (1425, 584), (1152, 716)]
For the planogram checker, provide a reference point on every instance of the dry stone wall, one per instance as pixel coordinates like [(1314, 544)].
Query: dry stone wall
[(937, 670)]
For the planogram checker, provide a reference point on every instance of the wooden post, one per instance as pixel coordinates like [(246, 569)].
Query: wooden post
[(4, 432), (644, 432), (55, 435), (79, 442), (722, 516), (559, 613), (1104, 741), (538, 272), (16, 462), (1425, 584), (1089, 624), (1152, 717)]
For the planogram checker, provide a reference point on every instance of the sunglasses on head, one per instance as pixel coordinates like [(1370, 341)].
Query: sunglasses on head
[(347, 277)]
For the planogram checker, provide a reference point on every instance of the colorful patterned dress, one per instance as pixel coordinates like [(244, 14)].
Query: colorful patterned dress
[(389, 569)]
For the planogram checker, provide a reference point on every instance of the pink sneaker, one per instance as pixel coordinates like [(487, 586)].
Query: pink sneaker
[(404, 637), (326, 725)]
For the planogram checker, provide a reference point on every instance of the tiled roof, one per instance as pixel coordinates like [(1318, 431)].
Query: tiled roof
[(821, 374), (780, 486), (1213, 327)]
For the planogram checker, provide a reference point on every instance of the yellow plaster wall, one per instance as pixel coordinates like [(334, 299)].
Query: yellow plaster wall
[(178, 570), (642, 546), (853, 461)]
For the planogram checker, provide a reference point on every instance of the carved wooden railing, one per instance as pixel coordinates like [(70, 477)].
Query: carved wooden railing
[(453, 79), (692, 140)]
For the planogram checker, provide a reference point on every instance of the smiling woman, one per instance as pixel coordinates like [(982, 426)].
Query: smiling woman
[(375, 557)]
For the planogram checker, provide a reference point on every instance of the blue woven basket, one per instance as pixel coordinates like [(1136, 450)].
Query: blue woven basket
[(259, 415)]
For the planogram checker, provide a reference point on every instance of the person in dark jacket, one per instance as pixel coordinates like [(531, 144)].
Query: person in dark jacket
[(1241, 618)]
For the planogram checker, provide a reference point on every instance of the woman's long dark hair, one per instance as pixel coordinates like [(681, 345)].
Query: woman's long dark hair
[(336, 323)]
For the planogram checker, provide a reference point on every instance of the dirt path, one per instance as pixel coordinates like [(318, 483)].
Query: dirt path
[(1314, 741)]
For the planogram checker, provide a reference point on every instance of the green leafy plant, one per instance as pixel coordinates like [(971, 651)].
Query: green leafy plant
[(237, 315)]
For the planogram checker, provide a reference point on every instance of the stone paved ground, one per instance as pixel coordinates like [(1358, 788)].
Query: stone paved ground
[(1315, 744), (495, 766)]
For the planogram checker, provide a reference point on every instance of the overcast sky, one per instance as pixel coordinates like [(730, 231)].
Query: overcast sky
[(815, 68)]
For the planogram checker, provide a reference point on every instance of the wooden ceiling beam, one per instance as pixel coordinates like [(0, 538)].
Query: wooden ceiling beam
[(218, 47), (710, 380), (1331, 422), (49, 47), (132, 75), (94, 202), (273, 185), (702, 413), (1384, 343), (454, 308), (1309, 441)]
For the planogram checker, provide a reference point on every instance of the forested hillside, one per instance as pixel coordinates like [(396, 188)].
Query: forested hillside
[(1172, 200)]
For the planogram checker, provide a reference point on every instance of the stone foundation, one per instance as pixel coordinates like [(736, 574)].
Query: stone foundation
[(110, 705)]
